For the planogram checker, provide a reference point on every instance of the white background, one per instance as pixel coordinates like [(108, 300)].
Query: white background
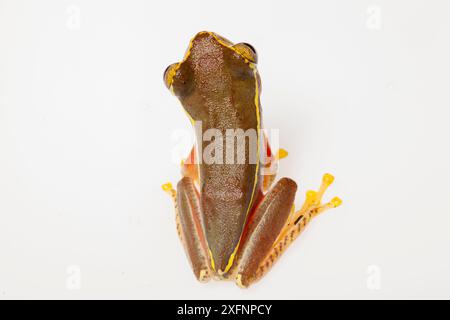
[(357, 88)]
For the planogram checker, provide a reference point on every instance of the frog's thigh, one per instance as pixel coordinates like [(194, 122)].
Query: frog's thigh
[(191, 228), (264, 228)]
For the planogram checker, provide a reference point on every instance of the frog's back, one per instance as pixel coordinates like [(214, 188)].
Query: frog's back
[(220, 88)]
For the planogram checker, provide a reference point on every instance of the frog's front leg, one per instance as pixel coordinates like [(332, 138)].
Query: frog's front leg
[(189, 166), (270, 167), (190, 226), (269, 170), (265, 240)]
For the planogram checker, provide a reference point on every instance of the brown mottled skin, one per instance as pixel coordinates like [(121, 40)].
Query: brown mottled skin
[(216, 85)]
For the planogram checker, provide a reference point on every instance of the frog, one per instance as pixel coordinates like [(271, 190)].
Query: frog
[(234, 219)]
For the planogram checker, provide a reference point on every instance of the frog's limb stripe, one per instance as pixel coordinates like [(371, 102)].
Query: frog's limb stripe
[(192, 228), (263, 228), (295, 225)]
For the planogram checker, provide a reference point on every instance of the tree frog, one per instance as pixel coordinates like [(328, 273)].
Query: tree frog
[(234, 221)]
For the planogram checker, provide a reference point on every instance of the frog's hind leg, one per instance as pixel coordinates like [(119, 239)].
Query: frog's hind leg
[(190, 226), (312, 205), (168, 188), (262, 229), (295, 224)]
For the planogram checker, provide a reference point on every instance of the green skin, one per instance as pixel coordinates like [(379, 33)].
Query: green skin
[(228, 223)]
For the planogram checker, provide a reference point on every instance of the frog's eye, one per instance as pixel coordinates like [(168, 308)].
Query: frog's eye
[(247, 51), (169, 73)]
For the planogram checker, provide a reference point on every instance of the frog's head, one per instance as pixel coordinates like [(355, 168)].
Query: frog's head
[(211, 66)]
